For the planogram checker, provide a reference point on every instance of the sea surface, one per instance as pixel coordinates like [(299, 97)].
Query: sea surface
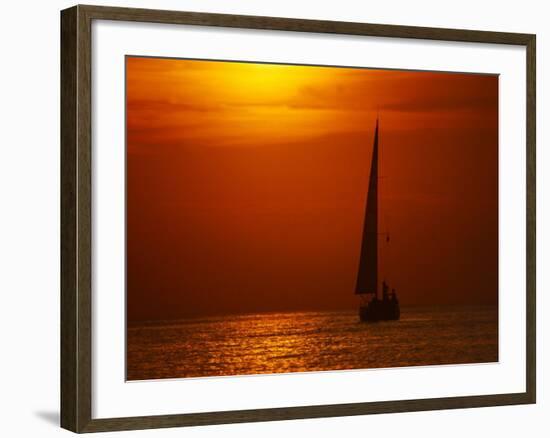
[(310, 341)]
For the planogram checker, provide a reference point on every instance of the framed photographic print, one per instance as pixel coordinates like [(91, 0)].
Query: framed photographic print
[(269, 218)]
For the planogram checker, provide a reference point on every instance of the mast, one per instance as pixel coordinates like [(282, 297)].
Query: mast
[(367, 275)]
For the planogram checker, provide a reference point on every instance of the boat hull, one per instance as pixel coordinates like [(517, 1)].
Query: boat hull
[(376, 311)]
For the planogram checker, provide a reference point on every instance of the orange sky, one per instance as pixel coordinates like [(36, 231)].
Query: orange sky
[(246, 185)]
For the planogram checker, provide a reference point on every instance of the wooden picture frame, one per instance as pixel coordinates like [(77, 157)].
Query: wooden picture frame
[(76, 217)]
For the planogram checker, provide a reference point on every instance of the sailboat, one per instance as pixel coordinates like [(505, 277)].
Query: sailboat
[(372, 308)]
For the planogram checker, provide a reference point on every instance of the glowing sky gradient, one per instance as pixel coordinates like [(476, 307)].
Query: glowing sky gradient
[(246, 185)]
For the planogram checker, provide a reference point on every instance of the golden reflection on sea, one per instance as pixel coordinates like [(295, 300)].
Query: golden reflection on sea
[(309, 341)]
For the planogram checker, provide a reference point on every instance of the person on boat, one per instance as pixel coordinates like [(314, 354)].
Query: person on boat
[(393, 295), (385, 289)]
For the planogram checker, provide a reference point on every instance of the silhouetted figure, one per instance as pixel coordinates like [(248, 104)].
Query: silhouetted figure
[(385, 289)]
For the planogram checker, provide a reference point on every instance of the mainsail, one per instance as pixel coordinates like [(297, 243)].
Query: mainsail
[(367, 275)]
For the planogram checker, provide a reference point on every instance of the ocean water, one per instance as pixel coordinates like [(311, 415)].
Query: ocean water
[(310, 341)]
